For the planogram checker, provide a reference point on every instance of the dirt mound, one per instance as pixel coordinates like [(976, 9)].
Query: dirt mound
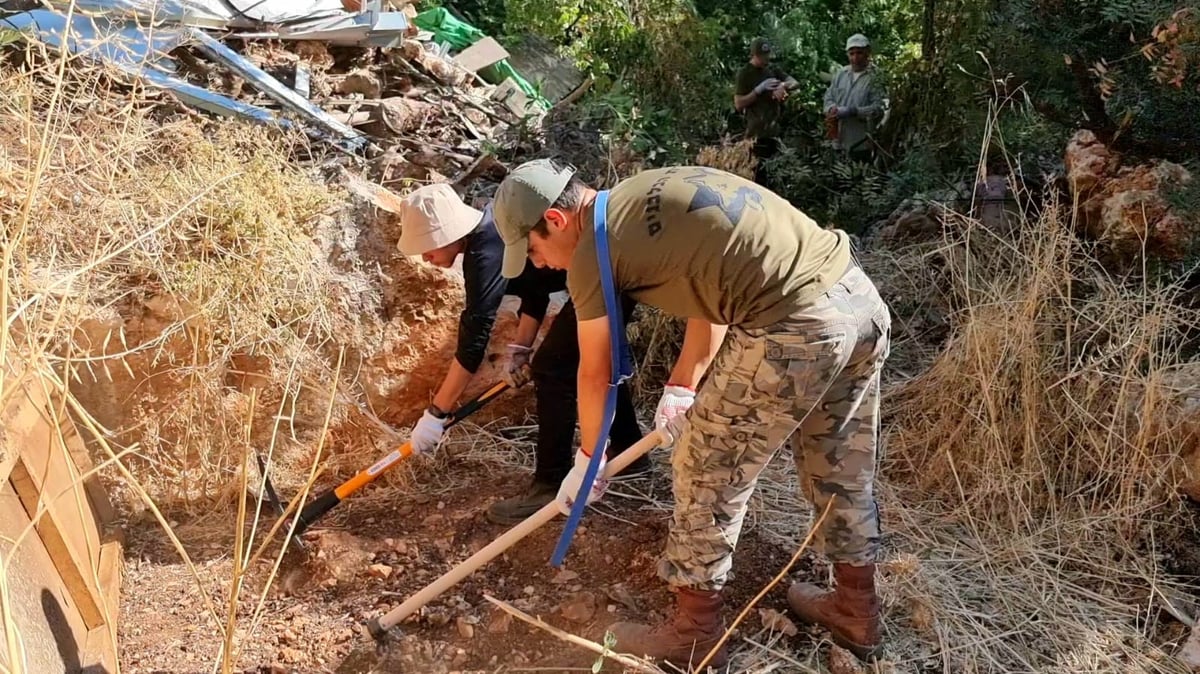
[(200, 299)]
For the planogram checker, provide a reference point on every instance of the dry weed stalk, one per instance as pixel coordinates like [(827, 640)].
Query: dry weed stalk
[(734, 156), (1042, 447), (165, 254), (631, 664)]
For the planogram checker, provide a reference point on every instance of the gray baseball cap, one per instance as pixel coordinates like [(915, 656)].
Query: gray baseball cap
[(857, 40), (521, 202)]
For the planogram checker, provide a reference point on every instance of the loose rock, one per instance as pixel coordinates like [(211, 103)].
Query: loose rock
[(579, 608), (774, 620), (842, 661), (361, 81), (379, 570), (500, 622)]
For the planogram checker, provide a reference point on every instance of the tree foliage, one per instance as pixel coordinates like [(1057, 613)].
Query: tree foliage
[(665, 69)]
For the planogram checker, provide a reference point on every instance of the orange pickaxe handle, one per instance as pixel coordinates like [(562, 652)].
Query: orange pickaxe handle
[(328, 500)]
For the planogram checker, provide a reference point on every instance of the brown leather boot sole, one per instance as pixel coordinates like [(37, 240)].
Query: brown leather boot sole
[(649, 638)]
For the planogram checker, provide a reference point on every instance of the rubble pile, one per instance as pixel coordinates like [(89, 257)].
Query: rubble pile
[(420, 96), (1127, 208)]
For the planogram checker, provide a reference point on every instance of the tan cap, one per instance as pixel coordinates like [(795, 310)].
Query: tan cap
[(521, 201), (433, 216)]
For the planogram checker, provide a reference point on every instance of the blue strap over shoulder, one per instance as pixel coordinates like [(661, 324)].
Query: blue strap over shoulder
[(622, 355), (622, 369)]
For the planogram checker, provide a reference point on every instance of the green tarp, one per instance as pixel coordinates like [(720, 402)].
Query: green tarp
[(460, 35)]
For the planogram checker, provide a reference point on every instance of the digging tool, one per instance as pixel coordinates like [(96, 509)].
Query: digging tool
[(273, 499), (328, 500), (378, 627)]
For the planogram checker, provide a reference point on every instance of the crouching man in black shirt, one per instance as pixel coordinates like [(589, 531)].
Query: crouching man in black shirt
[(439, 227)]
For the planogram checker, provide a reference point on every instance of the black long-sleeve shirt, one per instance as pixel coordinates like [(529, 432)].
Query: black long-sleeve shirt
[(483, 257)]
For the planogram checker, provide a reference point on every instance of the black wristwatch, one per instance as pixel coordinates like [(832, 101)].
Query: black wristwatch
[(435, 411)]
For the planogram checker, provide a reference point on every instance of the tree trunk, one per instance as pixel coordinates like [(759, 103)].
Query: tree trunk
[(928, 38)]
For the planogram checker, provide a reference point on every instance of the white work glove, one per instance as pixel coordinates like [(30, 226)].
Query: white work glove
[(669, 416), (766, 85), (574, 480), (426, 434), (516, 372)]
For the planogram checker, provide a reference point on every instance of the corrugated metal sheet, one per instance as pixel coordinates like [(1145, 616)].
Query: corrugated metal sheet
[(210, 13)]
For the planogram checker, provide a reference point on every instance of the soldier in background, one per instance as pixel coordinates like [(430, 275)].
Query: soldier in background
[(759, 93)]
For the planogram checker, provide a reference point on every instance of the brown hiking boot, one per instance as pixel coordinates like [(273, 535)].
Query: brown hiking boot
[(683, 640), (850, 611), (514, 510)]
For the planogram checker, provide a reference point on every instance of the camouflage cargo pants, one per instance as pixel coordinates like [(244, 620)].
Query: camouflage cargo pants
[(813, 378)]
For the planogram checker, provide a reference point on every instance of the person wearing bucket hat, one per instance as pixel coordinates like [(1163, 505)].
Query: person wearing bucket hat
[(855, 100), (785, 340), (439, 227), (759, 92)]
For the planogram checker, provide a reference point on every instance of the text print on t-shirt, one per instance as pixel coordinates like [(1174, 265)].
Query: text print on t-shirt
[(711, 190), (654, 202)]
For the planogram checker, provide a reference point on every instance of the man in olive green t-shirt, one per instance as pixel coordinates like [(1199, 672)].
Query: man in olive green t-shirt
[(805, 335), (759, 92)]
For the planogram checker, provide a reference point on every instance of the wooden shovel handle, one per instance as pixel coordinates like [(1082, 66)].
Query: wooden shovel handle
[(379, 626)]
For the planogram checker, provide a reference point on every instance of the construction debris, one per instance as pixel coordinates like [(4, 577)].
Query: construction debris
[(386, 89)]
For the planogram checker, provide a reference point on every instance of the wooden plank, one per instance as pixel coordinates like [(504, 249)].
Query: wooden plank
[(55, 530), (46, 478), (49, 462), (101, 505), (482, 54), (52, 631), (101, 645)]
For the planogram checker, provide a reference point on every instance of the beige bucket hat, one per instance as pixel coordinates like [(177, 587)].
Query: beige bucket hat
[(433, 216)]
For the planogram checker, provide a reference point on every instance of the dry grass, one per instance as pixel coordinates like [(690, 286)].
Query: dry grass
[(734, 156), (1032, 467), (145, 259), (165, 269)]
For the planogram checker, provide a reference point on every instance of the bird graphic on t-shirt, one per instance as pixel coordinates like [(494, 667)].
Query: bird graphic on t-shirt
[(733, 207)]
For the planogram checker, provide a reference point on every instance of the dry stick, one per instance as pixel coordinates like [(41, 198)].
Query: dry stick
[(506, 540), (625, 660), (312, 478), (96, 432), (774, 581), (239, 543)]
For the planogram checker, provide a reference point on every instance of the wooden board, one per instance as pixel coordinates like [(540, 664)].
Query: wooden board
[(47, 479), (52, 631), (101, 505), (482, 54), (101, 644)]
